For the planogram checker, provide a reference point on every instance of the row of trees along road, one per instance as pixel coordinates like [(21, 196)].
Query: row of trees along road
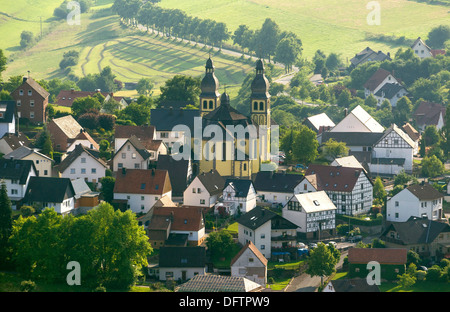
[(266, 42)]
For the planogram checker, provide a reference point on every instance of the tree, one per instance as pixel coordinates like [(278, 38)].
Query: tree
[(379, 192), (431, 135), (219, 243), (181, 88), (139, 114), (26, 39), (3, 61), (438, 36), (333, 62), (268, 38), (321, 261), (406, 280), (85, 104), (305, 146), (344, 98), (371, 101), (287, 52), (432, 167), (333, 149), (5, 224), (145, 86), (219, 33), (107, 190), (402, 110)]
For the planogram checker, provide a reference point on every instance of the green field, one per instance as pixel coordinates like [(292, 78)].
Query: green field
[(330, 25), (132, 54)]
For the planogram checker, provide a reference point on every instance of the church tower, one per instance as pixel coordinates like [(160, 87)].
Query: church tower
[(260, 105), (209, 96)]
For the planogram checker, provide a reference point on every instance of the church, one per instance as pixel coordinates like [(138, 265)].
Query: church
[(234, 144)]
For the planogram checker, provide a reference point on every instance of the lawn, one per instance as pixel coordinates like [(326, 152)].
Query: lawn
[(329, 25)]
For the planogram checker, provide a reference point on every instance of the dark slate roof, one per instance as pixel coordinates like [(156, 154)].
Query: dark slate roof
[(182, 257), (428, 113), (140, 148), (276, 182), (16, 140), (16, 169), (7, 107), (389, 90), (368, 55), (260, 84), (178, 172), (210, 84), (425, 192), (218, 283), (416, 230), (212, 181), (280, 223), (225, 114), (353, 285), (48, 190), (241, 186), (353, 138), (256, 217), (164, 119)]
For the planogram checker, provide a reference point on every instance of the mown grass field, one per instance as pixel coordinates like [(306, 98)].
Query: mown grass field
[(132, 54), (330, 25)]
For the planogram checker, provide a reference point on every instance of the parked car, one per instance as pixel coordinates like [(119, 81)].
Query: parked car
[(333, 243), (355, 238), (312, 245), (423, 268), (301, 245)]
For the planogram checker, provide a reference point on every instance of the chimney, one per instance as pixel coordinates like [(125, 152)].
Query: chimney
[(72, 90), (24, 79), (345, 112)]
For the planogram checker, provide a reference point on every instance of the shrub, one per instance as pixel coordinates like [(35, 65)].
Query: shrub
[(106, 121), (27, 286), (434, 273), (88, 120)]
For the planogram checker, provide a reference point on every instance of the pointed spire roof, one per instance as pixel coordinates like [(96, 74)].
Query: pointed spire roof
[(210, 84), (260, 85)]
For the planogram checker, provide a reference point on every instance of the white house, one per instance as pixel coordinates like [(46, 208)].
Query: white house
[(378, 80), (181, 263), (145, 134), (350, 189), (421, 49), (204, 190), (267, 230), (16, 174), (134, 155), (276, 188), (393, 152), (83, 163), (7, 117), (358, 120), (238, 196), (347, 161), (43, 163), (250, 263), (391, 92), (140, 189), (314, 214), (415, 201)]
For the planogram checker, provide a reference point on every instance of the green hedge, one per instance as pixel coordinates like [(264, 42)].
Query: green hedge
[(361, 222)]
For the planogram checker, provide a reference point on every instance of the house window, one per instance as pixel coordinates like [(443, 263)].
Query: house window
[(396, 215), (137, 166), (143, 186), (245, 167), (32, 103), (93, 170), (14, 192), (83, 160), (19, 102), (142, 197), (83, 170), (45, 172), (20, 92), (30, 93), (120, 165), (133, 156), (124, 155), (142, 207), (263, 247), (194, 190), (343, 197), (202, 201), (31, 114), (263, 236), (250, 259), (72, 170)]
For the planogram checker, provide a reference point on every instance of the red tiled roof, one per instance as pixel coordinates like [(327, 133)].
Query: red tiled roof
[(66, 97), (380, 255), (255, 251), (334, 178), (427, 113), (377, 78), (185, 218), (142, 181), (437, 52)]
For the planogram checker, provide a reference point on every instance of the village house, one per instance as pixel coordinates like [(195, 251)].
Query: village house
[(415, 201), (145, 134), (375, 83), (134, 155), (12, 141), (414, 135), (319, 122), (57, 193), (180, 173), (238, 196), (42, 163), (267, 231), (139, 189), (350, 189), (250, 263), (66, 133), (422, 50), (219, 283), (7, 117), (428, 238), (205, 190), (429, 114), (368, 55), (392, 262), (276, 188), (391, 92), (67, 97), (31, 101), (83, 163), (313, 213), (358, 121), (16, 175), (181, 263)]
